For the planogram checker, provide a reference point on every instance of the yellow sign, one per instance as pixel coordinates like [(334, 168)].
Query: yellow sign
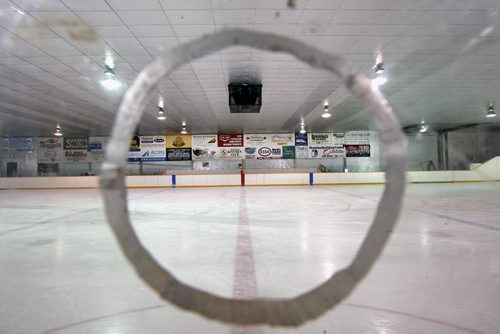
[(179, 141)]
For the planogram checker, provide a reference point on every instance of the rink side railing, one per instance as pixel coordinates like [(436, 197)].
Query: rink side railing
[(489, 171)]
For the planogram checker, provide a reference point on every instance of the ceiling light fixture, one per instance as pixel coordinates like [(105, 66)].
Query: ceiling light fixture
[(326, 113), (302, 127), (491, 111), (161, 114), (424, 127), (379, 78), (184, 130), (110, 83), (58, 132)]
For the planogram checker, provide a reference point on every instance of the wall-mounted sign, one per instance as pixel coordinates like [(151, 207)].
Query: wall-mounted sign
[(76, 143), (204, 147), (96, 148), (288, 152), (301, 152), (357, 151), (231, 153), (320, 152), (230, 140), (134, 151), (50, 149), (179, 141), (357, 138), (153, 148), (178, 154), (301, 139)]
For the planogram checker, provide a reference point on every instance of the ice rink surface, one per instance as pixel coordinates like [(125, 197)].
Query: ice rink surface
[(62, 271)]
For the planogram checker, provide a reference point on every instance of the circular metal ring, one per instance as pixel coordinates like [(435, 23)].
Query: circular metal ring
[(280, 312)]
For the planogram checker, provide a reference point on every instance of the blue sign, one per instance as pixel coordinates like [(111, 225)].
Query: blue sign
[(301, 139)]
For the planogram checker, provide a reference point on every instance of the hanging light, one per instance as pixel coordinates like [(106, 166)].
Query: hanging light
[(326, 113), (491, 111), (302, 128), (110, 83), (184, 129), (58, 132), (161, 114), (424, 127), (379, 78)]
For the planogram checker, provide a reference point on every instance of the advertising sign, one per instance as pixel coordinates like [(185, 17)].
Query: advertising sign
[(301, 139), (231, 153), (179, 141), (319, 152), (256, 140), (204, 147), (75, 149), (75, 155), (230, 140), (357, 138), (357, 151), (178, 154), (318, 139), (288, 152), (76, 143), (134, 151), (301, 152), (282, 139), (153, 148), (96, 148), (50, 149)]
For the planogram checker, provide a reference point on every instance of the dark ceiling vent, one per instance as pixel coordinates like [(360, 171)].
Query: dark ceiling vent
[(245, 98)]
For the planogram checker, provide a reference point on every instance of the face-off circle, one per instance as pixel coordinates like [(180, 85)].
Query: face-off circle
[(279, 312)]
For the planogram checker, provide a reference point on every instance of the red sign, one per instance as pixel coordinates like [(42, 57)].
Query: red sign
[(232, 140)]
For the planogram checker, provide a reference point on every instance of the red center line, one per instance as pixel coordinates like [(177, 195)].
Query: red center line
[(244, 280)]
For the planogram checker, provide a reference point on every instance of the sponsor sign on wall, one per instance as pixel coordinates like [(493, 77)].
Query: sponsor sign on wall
[(288, 152), (76, 143), (204, 147), (326, 145), (319, 152), (357, 138), (75, 149), (282, 139), (153, 148), (230, 140), (178, 154), (301, 152), (50, 149), (231, 153), (300, 139), (134, 151), (96, 148), (357, 151), (179, 141)]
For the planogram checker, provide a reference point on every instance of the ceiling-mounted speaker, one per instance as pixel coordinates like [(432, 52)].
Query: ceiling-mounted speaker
[(245, 98)]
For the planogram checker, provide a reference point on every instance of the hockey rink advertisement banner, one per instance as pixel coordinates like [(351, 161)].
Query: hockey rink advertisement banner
[(50, 149), (153, 148), (301, 139), (134, 151), (301, 152), (96, 148), (204, 147), (75, 149), (230, 140), (357, 151), (231, 153), (320, 152), (178, 154), (357, 138), (179, 141), (267, 146)]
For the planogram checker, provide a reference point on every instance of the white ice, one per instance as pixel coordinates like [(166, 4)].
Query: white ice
[(62, 271)]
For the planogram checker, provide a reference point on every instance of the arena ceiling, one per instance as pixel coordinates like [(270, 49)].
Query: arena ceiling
[(442, 61)]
